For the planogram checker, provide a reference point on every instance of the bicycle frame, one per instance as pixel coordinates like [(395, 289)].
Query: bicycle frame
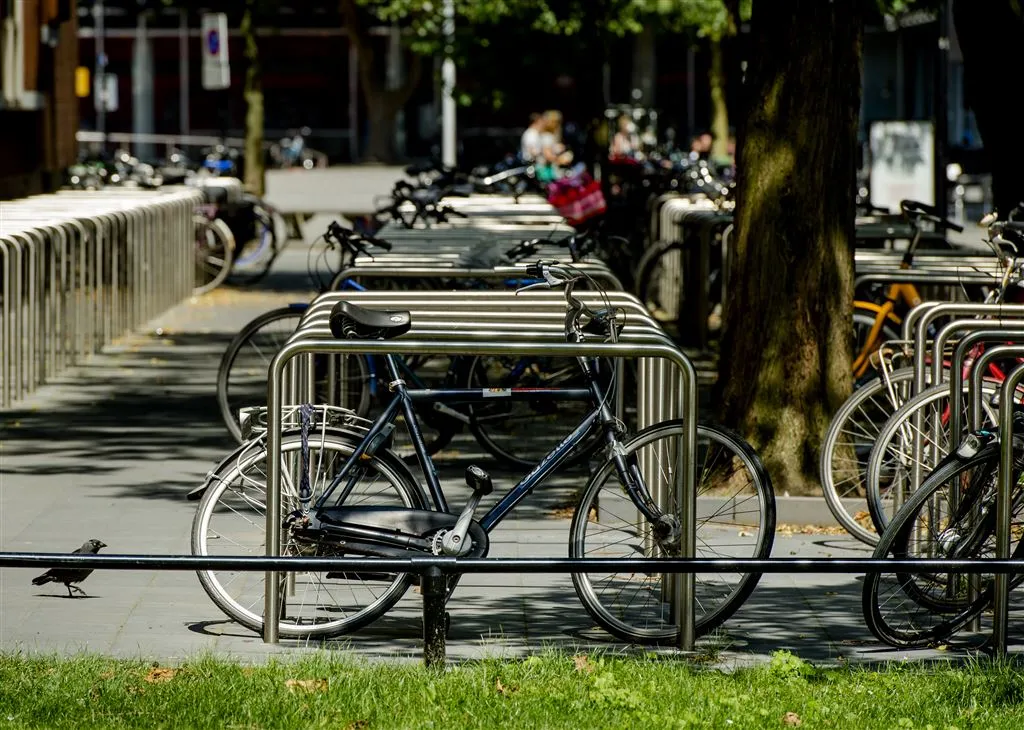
[(905, 293), (405, 399)]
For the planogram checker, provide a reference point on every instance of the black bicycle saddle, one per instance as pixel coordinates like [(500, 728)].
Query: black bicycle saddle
[(352, 322)]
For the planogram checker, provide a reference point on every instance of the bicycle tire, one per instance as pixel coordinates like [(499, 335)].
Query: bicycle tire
[(953, 614), (645, 270), (878, 505), (710, 614), (253, 264), (215, 256), (855, 427), (382, 463), (360, 404)]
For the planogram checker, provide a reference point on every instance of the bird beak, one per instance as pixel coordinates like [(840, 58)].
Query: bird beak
[(103, 544)]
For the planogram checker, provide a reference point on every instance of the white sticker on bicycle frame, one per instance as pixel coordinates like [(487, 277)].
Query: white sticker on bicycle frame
[(497, 392)]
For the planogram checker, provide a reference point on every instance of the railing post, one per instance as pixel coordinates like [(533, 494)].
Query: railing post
[(434, 587)]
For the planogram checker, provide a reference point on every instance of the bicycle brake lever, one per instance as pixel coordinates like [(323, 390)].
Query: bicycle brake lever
[(538, 285)]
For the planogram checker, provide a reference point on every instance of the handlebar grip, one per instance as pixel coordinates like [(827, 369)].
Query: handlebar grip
[(378, 242), (930, 212)]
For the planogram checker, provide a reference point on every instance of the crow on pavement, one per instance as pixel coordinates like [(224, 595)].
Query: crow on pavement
[(67, 576)]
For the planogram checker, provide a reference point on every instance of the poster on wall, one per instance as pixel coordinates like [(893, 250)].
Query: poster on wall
[(902, 163)]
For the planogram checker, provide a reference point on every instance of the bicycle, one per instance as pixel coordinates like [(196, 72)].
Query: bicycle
[(329, 515)]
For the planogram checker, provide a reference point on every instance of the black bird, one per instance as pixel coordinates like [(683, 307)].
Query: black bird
[(67, 576)]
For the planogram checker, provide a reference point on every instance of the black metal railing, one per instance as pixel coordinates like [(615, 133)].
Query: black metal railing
[(435, 570)]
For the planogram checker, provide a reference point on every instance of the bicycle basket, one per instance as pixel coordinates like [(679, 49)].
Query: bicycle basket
[(254, 420)]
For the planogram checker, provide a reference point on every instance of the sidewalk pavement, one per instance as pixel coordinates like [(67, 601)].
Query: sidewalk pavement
[(111, 448)]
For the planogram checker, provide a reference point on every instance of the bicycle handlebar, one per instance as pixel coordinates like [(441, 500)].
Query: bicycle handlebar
[(928, 212), (353, 240)]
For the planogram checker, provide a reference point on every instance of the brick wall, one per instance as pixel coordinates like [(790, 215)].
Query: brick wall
[(37, 145)]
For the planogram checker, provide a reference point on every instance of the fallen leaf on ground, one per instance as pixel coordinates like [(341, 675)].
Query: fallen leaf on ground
[(582, 663), (306, 685), (358, 725), (792, 719), (864, 520), (787, 529), (160, 674), (502, 689)]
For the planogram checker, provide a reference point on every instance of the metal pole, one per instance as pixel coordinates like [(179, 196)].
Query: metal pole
[(101, 69), (183, 73), (942, 111), (142, 88), (1001, 604), (353, 101), (448, 152), (434, 589)]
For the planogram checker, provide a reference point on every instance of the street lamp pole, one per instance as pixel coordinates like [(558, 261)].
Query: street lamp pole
[(99, 80), (448, 87), (942, 110)]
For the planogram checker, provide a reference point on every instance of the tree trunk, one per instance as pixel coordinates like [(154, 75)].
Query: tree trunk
[(990, 43), (381, 115), (382, 104), (719, 111), (786, 350), (254, 163)]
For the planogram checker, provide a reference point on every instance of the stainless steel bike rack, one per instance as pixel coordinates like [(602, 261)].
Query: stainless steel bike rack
[(1004, 501), (80, 268), (476, 335), (915, 328)]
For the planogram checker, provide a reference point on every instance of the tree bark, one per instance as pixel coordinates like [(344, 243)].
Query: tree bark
[(719, 110), (786, 351), (254, 162), (382, 104), (990, 43)]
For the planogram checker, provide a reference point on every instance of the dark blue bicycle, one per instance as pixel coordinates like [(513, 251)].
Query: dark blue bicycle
[(344, 493)]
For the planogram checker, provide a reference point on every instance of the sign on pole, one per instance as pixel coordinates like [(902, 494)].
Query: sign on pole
[(105, 92), (902, 163), (216, 71)]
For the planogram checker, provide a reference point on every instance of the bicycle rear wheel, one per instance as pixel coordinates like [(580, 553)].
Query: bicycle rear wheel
[(231, 520), (735, 519)]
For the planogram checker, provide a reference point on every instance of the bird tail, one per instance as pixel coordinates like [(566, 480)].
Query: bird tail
[(42, 579)]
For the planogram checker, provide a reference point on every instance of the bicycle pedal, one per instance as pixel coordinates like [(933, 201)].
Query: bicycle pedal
[(478, 480)]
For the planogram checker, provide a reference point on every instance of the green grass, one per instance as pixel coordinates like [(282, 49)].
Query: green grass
[(553, 691)]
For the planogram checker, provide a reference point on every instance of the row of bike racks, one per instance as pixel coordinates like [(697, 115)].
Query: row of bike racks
[(80, 268), (974, 324)]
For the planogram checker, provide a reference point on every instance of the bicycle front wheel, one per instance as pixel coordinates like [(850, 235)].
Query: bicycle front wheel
[(951, 516), (231, 520), (735, 519)]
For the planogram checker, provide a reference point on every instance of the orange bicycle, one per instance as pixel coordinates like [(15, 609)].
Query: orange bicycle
[(874, 322)]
